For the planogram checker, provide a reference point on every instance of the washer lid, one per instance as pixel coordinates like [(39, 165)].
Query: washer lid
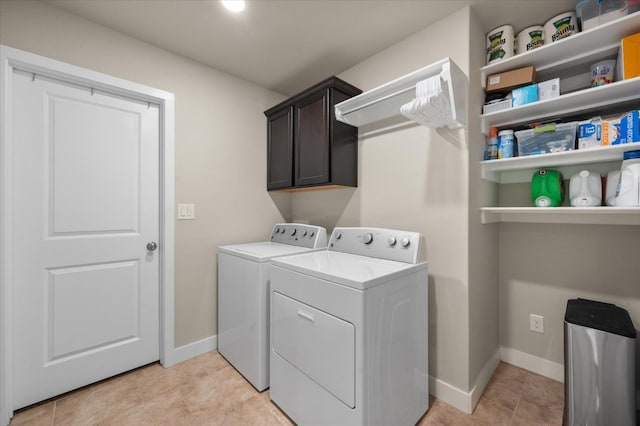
[(262, 251), (352, 270)]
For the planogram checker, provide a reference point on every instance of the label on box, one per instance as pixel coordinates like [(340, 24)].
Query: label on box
[(494, 80), (624, 129), (589, 133), (549, 89)]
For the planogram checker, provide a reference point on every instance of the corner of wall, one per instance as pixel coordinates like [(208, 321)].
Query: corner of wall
[(483, 239)]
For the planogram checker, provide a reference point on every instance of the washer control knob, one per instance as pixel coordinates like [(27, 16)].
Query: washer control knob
[(304, 233), (368, 238), (293, 232), (338, 235), (277, 230), (312, 234), (405, 242), (392, 241)]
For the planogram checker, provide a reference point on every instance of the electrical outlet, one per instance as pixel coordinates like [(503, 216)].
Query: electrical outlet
[(536, 323)]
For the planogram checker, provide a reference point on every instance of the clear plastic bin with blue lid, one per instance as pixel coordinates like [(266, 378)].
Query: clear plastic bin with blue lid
[(547, 138)]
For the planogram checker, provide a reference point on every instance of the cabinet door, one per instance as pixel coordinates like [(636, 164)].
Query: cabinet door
[(280, 149), (312, 140)]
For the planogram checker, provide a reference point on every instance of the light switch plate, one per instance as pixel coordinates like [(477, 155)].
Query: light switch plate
[(186, 211)]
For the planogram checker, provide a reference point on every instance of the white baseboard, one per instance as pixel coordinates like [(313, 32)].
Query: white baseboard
[(450, 394), (465, 401), (535, 364), (483, 378), (194, 349)]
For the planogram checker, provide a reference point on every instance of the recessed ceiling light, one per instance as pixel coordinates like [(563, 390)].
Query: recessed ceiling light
[(234, 5)]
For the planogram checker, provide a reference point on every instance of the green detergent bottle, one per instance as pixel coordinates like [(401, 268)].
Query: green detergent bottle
[(546, 188)]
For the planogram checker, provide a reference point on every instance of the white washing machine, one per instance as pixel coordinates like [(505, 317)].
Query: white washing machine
[(243, 296), (349, 330)]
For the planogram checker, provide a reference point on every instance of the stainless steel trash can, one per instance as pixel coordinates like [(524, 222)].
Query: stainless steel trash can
[(599, 371)]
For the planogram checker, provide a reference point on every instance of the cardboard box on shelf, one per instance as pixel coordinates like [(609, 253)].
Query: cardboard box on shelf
[(590, 133), (525, 95), (621, 129), (549, 89), (508, 80), (629, 63)]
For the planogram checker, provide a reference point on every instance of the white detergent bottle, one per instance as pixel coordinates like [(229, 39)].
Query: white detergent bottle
[(613, 180), (585, 189), (628, 193)]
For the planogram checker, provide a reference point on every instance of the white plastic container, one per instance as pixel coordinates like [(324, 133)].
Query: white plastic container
[(613, 180), (506, 142), (585, 189), (602, 72), (628, 192), (530, 38), (500, 43)]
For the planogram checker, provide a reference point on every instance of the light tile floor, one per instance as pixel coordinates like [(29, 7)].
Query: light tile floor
[(206, 390)]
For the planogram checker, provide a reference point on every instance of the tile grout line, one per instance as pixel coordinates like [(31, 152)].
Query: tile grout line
[(53, 415), (524, 385)]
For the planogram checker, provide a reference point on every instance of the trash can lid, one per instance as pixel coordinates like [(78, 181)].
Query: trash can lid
[(601, 316)]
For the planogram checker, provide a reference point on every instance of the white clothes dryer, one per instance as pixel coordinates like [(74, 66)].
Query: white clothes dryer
[(349, 330), (243, 296)]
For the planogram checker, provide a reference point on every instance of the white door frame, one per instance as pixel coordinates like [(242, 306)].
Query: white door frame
[(11, 59)]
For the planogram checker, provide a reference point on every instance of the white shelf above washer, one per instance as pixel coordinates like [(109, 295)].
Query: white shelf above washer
[(385, 101)]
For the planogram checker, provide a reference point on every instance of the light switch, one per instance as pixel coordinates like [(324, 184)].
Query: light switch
[(186, 211)]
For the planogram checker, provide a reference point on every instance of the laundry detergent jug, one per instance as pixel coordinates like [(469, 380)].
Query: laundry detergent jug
[(546, 188), (613, 180), (585, 189), (628, 191)]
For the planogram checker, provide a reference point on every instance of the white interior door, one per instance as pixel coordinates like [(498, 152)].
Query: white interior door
[(85, 203)]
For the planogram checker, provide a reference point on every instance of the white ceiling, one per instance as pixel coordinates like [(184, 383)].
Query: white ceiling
[(288, 45)]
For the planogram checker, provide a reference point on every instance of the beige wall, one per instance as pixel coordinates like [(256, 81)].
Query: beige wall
[(483, 239), (415, 179), (220, 144), (542, 266)]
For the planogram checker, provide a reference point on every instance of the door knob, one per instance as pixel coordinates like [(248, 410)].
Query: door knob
[(152, 246)]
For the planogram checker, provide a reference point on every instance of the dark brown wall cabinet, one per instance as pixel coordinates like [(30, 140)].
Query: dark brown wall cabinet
[(306, 145)]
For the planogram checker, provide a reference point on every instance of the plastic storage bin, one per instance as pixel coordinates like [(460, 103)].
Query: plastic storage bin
[(546, 139), (600, 342), (597, 12)]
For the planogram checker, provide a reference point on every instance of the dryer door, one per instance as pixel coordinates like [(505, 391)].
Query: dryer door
[(318, 344)]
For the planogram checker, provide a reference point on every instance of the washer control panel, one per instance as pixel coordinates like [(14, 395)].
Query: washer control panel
[(297, 234), (390, 244)]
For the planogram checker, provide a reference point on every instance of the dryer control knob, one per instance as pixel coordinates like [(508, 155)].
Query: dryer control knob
[(392, 241), (368, 238), (304, 233), (338, 235), (277, 230), (312, 234), (293, 232), (405, 242)]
